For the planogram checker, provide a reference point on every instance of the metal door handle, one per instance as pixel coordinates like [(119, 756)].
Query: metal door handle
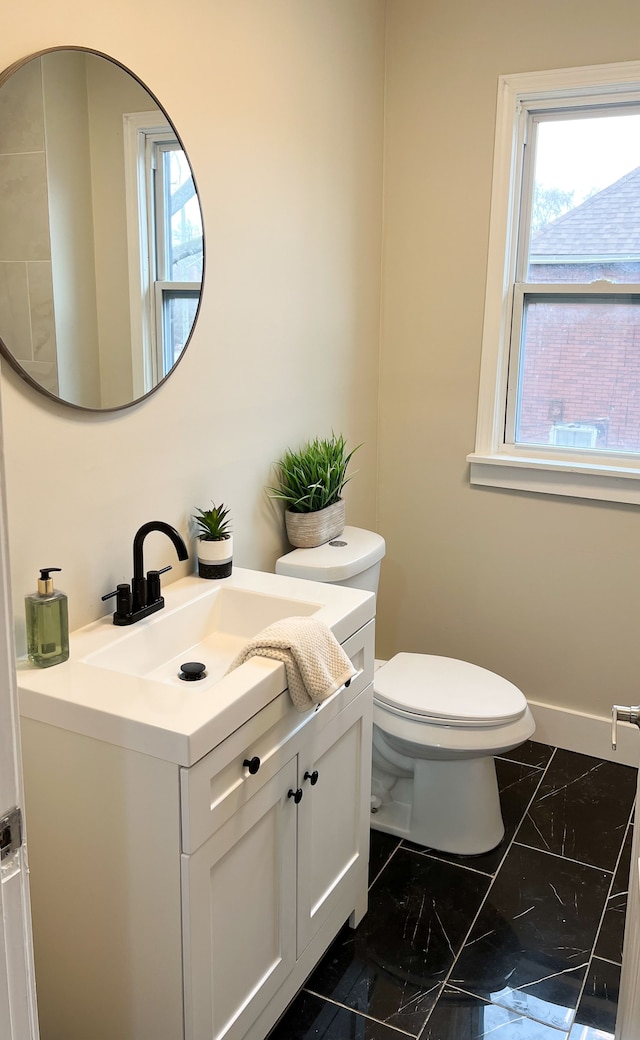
[(623, 713)]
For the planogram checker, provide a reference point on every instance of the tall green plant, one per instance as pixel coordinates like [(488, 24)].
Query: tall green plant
[(314, 476)]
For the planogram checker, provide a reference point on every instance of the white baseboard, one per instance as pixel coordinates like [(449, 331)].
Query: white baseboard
[(587, 734)]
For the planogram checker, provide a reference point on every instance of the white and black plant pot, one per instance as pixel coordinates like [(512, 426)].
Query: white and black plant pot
[(215, 558)]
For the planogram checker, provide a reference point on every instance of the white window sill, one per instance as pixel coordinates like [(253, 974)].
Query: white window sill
[(576, 479)]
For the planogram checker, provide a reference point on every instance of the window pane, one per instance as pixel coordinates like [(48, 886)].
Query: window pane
[(184, 238), (179, 313), (585, 217), (579, 382)]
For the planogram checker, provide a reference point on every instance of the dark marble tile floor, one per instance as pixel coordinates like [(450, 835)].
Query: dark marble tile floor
[(523, 942)]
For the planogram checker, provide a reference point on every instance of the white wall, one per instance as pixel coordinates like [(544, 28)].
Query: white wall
[(543, 590), (280, 108)]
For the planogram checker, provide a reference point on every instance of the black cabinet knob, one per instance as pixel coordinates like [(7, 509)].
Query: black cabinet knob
[(312, 777), (252, 764), (296, 795)]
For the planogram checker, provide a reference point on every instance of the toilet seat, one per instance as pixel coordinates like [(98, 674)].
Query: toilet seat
[(447, 692)]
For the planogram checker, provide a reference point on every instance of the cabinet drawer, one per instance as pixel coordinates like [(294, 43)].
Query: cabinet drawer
[(220, 783)]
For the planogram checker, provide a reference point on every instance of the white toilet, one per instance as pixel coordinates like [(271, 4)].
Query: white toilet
[(438, 722)]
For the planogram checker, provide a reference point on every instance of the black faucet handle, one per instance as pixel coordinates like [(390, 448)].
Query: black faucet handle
[(153, 584), (123, 601)]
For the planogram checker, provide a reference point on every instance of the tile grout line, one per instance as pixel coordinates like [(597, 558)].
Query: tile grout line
[(562, 1033), (369, 1018), (628, 829), (486, 896), (516, 762), (565, 859), (385, 864), (592, 955), (606, 960), (451, 863)]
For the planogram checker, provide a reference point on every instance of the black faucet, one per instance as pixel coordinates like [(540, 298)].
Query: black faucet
[(143, 597)]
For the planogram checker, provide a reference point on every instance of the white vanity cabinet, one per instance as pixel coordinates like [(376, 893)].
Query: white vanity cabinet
[(193, 901), (286, 863)]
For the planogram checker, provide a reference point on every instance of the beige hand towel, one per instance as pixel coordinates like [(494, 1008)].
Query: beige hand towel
[(315, 663)]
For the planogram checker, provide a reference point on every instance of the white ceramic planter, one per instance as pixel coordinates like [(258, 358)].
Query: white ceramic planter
[(215, 559), (306, 530)]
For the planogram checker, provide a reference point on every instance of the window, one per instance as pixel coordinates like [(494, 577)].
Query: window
[(176, 233), (559, 408), (165, 246)]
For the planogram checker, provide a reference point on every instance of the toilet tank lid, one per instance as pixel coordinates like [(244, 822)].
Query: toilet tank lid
[(350, 553)]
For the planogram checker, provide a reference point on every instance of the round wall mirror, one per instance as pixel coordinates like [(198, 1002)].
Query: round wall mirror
[(101, 239)]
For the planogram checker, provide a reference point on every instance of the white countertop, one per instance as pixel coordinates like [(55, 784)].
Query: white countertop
[(176, 721)]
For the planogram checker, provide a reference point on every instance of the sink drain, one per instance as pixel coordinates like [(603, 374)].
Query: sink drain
[(191, 671)]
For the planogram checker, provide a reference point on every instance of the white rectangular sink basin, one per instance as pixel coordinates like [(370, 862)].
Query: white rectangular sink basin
[(121, 684), (212, 630)]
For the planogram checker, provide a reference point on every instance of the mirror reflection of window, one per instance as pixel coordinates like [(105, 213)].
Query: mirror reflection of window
[(101, 245), (178, 252), (165, 246)]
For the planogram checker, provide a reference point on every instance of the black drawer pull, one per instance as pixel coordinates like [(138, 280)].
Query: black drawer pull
[(252, 764), (312, 777), (296, 795)]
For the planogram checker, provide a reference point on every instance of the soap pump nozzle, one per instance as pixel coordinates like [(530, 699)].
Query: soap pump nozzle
[(45, 581)]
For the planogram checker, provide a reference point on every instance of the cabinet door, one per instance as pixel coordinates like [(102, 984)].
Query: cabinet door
[(333, 818), (239, 894)]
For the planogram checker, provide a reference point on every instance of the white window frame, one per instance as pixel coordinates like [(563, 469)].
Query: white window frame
[(143, 131), (136, 127), (496, 462), (164, 292)]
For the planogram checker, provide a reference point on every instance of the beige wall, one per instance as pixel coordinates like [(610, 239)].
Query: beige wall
[(541, 589), (280, 107)]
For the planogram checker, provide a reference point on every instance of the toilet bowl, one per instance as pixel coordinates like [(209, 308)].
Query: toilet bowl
[(437, 723)]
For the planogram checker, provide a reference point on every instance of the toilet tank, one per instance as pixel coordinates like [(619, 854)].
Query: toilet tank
[(352, 559)]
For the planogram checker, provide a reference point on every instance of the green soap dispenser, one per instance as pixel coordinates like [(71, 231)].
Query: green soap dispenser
[(47, 622)]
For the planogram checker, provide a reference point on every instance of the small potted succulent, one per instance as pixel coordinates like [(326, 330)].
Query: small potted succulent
[(310, 483), (215, 542)]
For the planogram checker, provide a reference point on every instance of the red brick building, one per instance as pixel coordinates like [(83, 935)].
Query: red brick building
[(580, 379)]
